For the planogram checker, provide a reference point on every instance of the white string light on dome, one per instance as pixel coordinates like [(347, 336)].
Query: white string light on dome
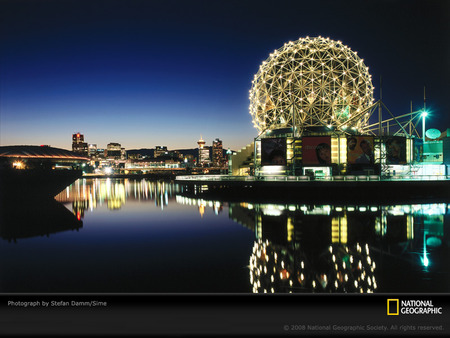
[(311, 82)]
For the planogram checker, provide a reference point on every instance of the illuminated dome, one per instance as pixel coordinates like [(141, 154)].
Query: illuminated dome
[(311, 82)]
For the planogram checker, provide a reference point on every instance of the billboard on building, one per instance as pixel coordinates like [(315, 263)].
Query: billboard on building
[(418, 150), (360, 150), (316, 150), (395, 150), (273, 151)]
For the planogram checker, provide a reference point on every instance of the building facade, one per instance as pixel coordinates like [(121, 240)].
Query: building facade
[(114, 151), (160, 151), (203, 153), (217, 153), (78, 144)]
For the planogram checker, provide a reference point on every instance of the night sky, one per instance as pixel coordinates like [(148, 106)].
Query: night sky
[(147, 73)]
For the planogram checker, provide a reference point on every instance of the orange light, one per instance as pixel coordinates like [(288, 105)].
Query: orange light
[(18, 165)]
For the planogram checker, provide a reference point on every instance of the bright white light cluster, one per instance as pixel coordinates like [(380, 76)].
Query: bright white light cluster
[(320, 81), (275, 268)]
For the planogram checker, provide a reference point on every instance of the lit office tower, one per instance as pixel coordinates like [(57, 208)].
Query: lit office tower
[(114, 151), (78, 144), (217, 153), (203, 153)]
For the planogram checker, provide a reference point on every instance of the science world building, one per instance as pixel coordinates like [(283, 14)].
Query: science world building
[(312, 101)]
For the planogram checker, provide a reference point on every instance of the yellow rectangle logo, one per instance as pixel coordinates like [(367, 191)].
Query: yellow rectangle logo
[(392, 307)]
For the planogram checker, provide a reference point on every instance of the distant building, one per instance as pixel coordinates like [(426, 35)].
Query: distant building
[(78, 144), (217, 153), (150, 164), (92, 150), (101, 153), (114, 151), (160, 151), (203, 153), (136, 156), (188, 160)]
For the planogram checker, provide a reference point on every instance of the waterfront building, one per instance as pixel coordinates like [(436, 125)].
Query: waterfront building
[(37, 171), (78, 144), (311, 102), (39, 157), (217, 153), (151, 165), (203, 153)]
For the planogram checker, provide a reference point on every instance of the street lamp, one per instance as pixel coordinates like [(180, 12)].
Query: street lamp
[(424, 114)]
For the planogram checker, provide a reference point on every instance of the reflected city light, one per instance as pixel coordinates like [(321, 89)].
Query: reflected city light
[(201, 204), (299, 247), (88, 194), (339, 268)]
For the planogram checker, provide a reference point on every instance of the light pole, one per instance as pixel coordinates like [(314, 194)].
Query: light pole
[(424, 114)]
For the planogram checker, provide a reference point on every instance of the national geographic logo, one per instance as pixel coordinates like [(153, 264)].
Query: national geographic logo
[(412, 307), (392, 307)]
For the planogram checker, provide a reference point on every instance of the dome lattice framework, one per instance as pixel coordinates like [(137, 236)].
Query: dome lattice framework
[(311, 82)]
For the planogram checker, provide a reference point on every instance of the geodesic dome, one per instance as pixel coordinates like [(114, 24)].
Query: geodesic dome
[(311, 82)]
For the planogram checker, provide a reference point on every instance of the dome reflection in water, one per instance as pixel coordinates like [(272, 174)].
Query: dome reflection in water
[(346, 248), (274, 268), (282, 248)]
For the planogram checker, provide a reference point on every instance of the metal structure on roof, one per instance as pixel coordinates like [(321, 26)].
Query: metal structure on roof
[(39, 152)]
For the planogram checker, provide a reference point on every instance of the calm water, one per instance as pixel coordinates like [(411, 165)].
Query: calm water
[(120, 235)]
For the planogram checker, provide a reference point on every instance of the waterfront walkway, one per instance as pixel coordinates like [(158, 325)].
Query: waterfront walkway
[(284, 178), (305, 188)]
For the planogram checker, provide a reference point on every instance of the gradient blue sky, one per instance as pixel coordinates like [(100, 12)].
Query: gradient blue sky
[(147, 73)]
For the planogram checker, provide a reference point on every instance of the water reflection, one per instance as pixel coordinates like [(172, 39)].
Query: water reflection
[(87, 194), (33, 218), (276, 268), (150, 244), (350, 248), (338, 248), (201, 204)]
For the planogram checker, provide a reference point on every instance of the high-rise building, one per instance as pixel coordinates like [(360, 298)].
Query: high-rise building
[(203, 153), (217, 153), (114, 151), (78, 144)]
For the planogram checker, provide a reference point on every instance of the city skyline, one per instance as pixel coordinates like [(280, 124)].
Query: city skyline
[(104, 146), (143, 73)]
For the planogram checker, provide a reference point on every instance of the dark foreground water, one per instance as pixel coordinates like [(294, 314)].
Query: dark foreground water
[(119, 235)]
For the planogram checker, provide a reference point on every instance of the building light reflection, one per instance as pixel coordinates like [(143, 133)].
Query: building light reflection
[(285, 274), (88, 194)]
